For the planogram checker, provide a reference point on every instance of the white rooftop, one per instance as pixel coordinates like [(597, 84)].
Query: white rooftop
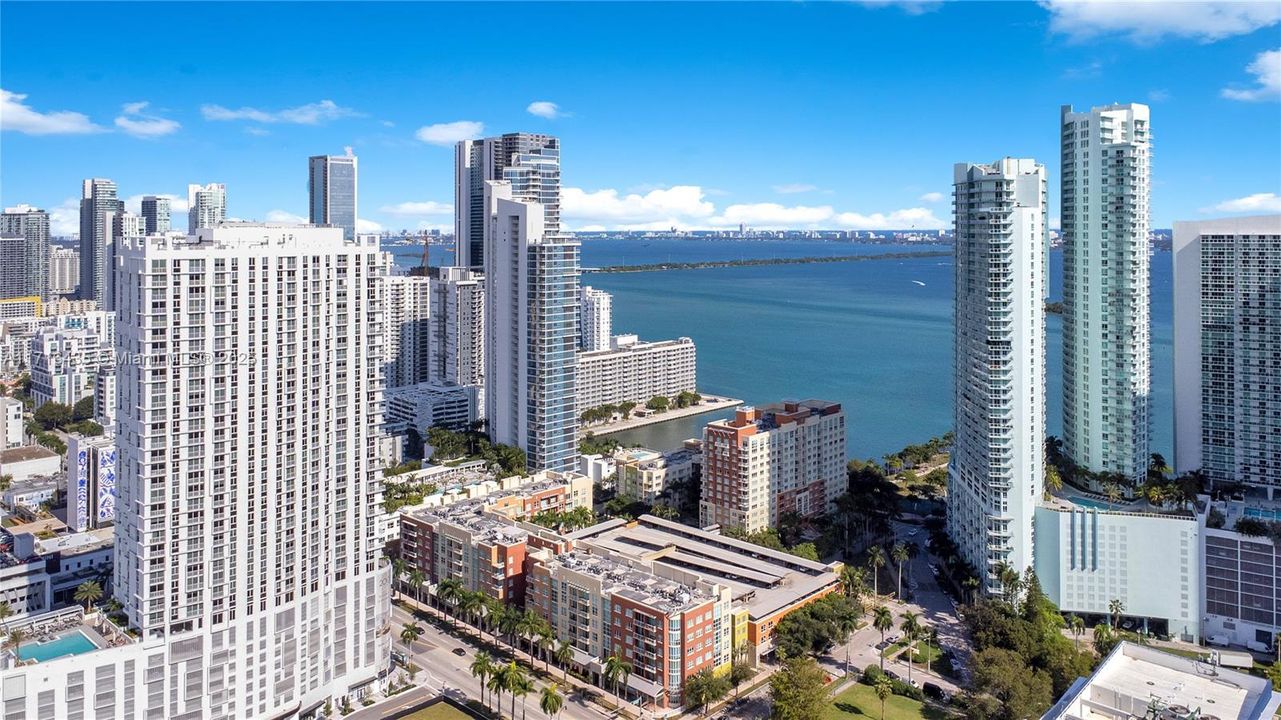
[(1145, 682)]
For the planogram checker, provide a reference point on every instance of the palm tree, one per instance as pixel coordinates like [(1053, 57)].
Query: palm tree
[(520, 688), (899, 555), (6, 611), (498, 683), (852, 581), (971, 586), (509, 625), (1115, 608), (1158, 469), (551, 701), (398, 566), (417, 578), (449, 592), (482, 667), (527, 627), (1009, 579), (882, 619), (1053, 480), (1077, 625), (883, 692), (410, 633), (564, 656), (16, 636), (470, 604), (89, 592), (546, 641), (911, 628), (1113, 491), (614, 668), (875, 561)]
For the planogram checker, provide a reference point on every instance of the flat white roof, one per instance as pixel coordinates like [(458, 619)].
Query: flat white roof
[(1135, 680)]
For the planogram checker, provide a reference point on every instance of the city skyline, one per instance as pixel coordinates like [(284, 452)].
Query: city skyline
[(704, 127)]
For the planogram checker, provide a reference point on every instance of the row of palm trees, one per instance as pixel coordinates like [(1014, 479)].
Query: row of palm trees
[(913, 629), (900, 553), (522, 630), (498, 677)]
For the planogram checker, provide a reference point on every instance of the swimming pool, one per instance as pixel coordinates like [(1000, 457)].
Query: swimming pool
[(1264, 513), (73, 643), (1092, 503)]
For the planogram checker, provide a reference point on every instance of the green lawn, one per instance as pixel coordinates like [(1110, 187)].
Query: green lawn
[(439, 711), (860, 702)]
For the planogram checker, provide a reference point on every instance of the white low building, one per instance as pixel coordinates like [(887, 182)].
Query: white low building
[(1087, 557), (1135, 681), (29, 461), (631, 370)]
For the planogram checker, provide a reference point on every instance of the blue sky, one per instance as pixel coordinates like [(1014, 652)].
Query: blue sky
[(801, 115)]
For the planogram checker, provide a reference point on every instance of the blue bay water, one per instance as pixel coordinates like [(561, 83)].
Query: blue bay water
[(865, 334)]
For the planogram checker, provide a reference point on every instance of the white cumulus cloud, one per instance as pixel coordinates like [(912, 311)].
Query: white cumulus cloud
[(367, 226), (1266, 70), (1147, 21), (16, 115), (546, 109), (450, 132), (309, 114), (64, 219), (686, 207), (678, 206), (792, 188), (1258, 202), (284, 216), (134, 119), (413, 207), (932, 197), (177, 204)]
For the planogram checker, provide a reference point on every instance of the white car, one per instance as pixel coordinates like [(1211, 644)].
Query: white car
[(1258, 647), (1218, 640)]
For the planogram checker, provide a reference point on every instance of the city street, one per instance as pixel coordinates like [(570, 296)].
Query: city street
[(443, 669), (930, 602)]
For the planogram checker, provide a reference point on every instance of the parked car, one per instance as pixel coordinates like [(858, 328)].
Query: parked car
[(891, 675), (933, 691), (882, 644), (459, 651), (1258, 647), (1218, 640)]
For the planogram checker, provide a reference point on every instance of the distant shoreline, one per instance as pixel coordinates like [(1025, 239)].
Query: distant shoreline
[(707, 264)]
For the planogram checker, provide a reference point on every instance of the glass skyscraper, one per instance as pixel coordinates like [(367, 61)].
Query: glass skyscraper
[(332, 185)]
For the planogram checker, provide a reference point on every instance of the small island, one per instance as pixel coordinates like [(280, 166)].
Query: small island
[(655, 267)]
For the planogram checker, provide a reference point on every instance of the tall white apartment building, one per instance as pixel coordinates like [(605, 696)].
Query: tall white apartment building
[(1106, 343), (64, 270), (155, 213), (529, 162), (32, 263), (1227, 349), (598, 319), (331, 181), (783, 458), (206, 206), (408, 316), (97, 249), (997, 470), (531, 326), (637, 371), (457, 327), (246, 552)]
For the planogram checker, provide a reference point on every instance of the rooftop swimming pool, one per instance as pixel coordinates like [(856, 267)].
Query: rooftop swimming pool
[(1273, 514), (72, 643)]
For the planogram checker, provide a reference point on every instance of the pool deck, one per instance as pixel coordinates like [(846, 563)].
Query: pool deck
[(95, 639)]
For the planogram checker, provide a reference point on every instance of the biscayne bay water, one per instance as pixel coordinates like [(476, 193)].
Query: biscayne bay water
[(866, 334)]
